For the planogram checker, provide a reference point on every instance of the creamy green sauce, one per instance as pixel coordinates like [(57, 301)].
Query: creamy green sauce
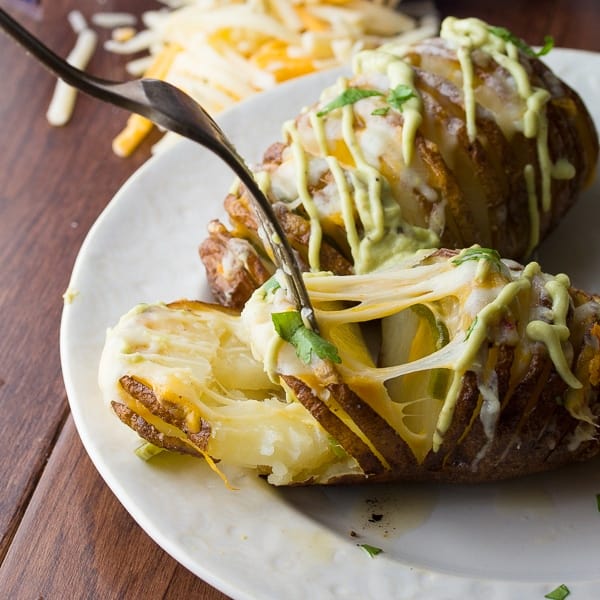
[(366, 172), (473, 34), (319, 130), (476, 338), (401, 73), (363, 190), (398, 73), (301, 165), (347, 206), (553, 333), (466, 65)]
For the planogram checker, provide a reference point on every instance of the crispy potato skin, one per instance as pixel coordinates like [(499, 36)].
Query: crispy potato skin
[(348, 440), (148, 432), (231, 286), (169, 412)]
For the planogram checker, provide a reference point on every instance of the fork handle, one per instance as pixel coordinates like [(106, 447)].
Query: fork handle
[(47, 57)]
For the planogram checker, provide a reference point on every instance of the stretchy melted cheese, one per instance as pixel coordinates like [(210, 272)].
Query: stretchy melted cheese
[(441, 317)]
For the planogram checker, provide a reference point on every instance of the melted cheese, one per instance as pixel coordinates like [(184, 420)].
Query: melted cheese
[(361, 194), (486, 295)]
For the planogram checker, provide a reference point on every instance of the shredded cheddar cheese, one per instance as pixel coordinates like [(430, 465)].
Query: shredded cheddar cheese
[(222, 51), (139, 127), (63, 99)]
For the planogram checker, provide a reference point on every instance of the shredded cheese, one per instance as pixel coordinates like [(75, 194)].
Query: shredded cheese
[(110, 20), (64, 97), (138, 127), (122, 34), (228, 50)]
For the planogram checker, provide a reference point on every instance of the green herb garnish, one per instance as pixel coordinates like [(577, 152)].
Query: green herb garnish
[(370, 550), (381, 112), (560, 593), (471, 327), (348, 96), (477, 253), (395, 98), (271, 285), (147, 450), (336, 447), (508, 36), (399, 95), (290, 327), (548, 45)]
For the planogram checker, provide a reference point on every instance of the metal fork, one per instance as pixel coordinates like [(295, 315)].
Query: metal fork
[(172, 109)]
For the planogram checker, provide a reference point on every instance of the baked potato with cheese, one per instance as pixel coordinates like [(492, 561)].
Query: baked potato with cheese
[(463, 139), (451, 366)]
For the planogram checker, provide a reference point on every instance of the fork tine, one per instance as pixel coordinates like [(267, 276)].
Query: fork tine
[(283, 255)]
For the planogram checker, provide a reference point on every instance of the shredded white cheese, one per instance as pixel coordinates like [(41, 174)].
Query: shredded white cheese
[(110, 20), (63, 100), (228, 50), (70, 295)]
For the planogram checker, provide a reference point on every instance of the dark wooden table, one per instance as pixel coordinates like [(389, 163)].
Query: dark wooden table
[(62, 532)]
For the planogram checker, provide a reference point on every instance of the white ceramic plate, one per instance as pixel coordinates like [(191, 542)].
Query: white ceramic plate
[(509, 540)]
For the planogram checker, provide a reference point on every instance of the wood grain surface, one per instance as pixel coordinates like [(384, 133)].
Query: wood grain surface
[(62, 532)]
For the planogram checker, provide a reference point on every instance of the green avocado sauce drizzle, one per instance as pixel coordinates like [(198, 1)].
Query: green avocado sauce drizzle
[(552, 332), (469, 35)]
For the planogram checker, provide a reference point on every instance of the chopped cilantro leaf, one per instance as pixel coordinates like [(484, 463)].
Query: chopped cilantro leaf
[(336, 447), (147, 450), (348, 96), (271, 285), (471, 327), (399, 95), (384, 110), (395, 99), (290, 327), (548, 45), (508, 36), (560, 593), (477, 253), (370, 550)]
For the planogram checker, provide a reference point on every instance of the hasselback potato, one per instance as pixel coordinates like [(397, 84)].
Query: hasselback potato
[(452, 366), (463, 139)]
